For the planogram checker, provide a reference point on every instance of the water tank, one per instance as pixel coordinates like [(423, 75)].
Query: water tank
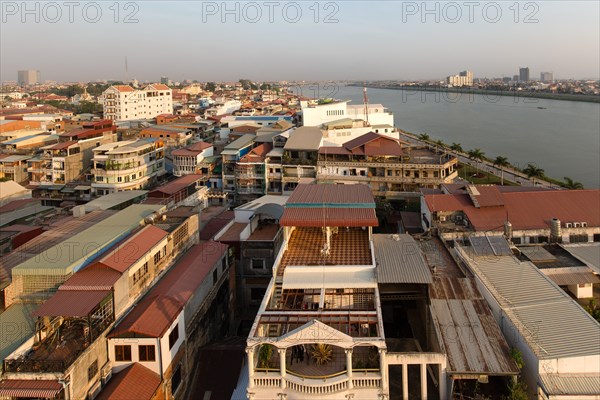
[(555, 231), (508, 230)]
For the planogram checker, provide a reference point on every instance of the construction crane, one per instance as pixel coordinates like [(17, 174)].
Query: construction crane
[(366, 103)]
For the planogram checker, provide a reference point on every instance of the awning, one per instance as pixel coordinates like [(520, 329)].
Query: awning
[(318, 217), (21, 388), (71, 303), (82, 188), (332, 277)]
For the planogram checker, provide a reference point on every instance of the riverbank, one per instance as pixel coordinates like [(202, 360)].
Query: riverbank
[(491, 93)]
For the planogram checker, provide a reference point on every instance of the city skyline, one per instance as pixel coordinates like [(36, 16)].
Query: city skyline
[(387, 33)]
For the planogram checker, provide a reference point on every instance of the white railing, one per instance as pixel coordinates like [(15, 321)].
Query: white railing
[(267, 381), (314, 388), (366, 381)]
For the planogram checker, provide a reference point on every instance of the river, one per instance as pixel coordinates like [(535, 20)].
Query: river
[(562, 137)]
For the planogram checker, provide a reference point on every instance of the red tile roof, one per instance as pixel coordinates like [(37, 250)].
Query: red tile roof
[(16, 204), (134, 382), (525, 210), (245, 129), (485, 196), (132, 249), (124, 88), (374, 144), (257, 154), (215, 225), (71, 303), (63, 145), (153, 315), (38, 388)]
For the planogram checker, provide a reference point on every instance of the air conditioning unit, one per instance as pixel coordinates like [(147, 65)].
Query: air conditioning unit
[(94, 391), (568, 225), (443, 218), (106, 375)]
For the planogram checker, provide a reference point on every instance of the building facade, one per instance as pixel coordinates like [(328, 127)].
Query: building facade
[(124, 103)]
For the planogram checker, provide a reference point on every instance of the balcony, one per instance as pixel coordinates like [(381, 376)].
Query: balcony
[(250, 190)]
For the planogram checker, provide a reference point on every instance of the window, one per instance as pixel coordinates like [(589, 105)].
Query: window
[(92, 370), (123, 353), (215, 276), (257, 263), (147, 353), (175, 379), (140, 273), (156, 257), (223, 265), (173, 336), (257, 294), (164, 251)]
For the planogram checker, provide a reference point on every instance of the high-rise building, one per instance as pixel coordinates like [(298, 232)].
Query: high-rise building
[(165, 80), (524, 74), (464, 78), (29, 77), (546, 76), (124, 103), (515, 78)]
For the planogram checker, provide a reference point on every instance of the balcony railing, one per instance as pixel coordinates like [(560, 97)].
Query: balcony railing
[(320, 386)]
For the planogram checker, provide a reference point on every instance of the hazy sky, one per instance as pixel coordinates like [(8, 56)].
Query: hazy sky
[(360, 40)]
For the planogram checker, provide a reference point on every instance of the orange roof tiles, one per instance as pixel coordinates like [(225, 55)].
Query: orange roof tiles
[(329, 217), (257, 154), (329, 193), (177, 185), (133, 248), (153, 315), (124, 88), (134, 382), (192, 150)]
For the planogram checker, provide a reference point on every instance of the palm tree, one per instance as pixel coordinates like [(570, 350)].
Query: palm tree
[(477, 155), (456, 147), (533, 172), (501, 162), (424, 137), (571, 184)]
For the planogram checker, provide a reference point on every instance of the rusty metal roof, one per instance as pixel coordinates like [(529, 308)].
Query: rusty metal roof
[(134, 248), (71, 303), (399, 260), (95, 277), (468, 331), (153, 315), (571, 275)]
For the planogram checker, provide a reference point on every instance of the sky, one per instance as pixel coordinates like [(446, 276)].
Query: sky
[(298, 40)]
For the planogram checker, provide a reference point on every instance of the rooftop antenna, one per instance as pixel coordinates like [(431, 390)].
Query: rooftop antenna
[(366, 103), (126, 72)]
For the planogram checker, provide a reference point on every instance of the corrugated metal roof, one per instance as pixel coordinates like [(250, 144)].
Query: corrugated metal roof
[(304, 138), (17, 316), (399, 260), (240, 143), (97, 276), (331, 277), (329, 195), (158, 309), (111, 200), (550, 321), (134, 248), (316, 217), (71, 303), (30, 388), (589, 253), (485, 246), (472, 340), (536, 253), (571, 384), (176, 185), (79, 250), (571, 275)]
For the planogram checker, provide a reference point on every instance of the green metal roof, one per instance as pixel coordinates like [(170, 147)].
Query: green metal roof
[(81, 249), (17, 326)]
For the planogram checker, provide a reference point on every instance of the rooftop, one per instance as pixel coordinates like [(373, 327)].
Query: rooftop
[(304, 138), (544, 313), (399, 260), (153, 315), (134, 382), (90, 242), (115, 199)]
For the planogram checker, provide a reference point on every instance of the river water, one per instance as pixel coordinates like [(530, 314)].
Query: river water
[(561, 137)]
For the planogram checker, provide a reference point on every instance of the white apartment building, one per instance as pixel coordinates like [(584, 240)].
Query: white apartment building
[(124, 103), (127, 165), (223, 107), (319, 114), (464, 78)]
